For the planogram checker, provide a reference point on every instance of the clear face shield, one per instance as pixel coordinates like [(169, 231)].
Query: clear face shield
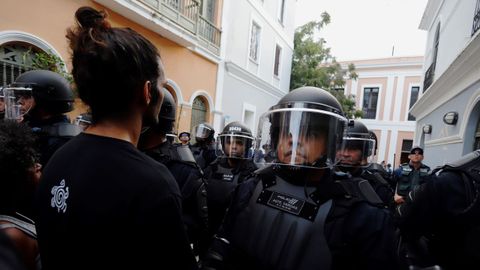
[(171, 137), (202, 132), (18, 101), (299, 137), (357, 150), (234, 146)]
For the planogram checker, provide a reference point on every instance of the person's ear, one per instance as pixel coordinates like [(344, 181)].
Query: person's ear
[(147, 95)]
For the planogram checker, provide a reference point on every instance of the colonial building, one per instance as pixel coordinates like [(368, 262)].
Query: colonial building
[(257, 48), (385, 90), (448, 112), (186, 32)]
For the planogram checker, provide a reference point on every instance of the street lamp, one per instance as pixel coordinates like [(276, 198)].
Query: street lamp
[(427, 129), (450, 118)]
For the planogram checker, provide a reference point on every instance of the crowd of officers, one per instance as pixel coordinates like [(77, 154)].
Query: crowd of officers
[(114, 190)]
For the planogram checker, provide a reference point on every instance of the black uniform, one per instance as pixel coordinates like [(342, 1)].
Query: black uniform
[(52, 134), (278, 224), (203, 154), (222, 180), (446, 211), (192, 186), (103, 204), (380, 185)]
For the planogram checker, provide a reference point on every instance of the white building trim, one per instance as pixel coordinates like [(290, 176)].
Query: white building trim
[(204, 94), (398, 98), (388, 98), (20, 36), (177, 90)]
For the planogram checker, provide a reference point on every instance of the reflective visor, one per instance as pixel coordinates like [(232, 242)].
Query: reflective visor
[(234, 146), (300, 137), (202, 131), (356, 151), (18, 102)]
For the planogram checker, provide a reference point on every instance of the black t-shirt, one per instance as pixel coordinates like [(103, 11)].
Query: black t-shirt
[(104, 204)]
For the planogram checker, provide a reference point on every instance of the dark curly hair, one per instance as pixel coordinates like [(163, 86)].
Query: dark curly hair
[(110, 65), (17, 157)]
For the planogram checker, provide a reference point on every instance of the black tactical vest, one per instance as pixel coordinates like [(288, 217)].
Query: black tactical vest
[(281, 228)]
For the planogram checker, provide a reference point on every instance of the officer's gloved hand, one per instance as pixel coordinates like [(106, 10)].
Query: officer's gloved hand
[(216, 256)]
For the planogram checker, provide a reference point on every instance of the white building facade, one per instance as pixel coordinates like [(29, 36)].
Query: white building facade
[(256, 53), (448, 112), (385, 90)]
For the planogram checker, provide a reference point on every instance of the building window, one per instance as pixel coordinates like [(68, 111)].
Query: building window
[(199, 112), (254, 41), (281, 11), (406, 147), (430, 73), (370, 100), (15, 59), (413, 98), (278, 55), (207, 9)]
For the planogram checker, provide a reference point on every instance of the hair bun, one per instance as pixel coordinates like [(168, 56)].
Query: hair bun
[(89, 17)]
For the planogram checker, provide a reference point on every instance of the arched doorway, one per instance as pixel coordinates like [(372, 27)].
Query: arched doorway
[(476, 144), (199, 112)]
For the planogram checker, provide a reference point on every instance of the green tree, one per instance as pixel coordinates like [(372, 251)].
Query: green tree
[(313, 65)]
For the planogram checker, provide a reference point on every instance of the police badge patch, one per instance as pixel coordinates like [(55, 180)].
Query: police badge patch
[(60, 195)]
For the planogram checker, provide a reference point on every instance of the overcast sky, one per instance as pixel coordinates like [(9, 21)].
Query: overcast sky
[(364, 29)]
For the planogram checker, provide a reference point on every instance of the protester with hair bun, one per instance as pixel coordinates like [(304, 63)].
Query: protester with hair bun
[(102, 204)]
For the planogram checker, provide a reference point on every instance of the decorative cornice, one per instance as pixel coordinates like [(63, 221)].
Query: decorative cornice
[(444, 141), (430, 13)]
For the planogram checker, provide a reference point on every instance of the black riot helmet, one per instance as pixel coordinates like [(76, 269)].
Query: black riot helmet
[(204, 133), (357, 147), (304, 129), (50, 90), (235, 141), (167, 114)]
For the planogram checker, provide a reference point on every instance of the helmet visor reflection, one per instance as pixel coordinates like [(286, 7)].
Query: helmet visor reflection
[(299, 137), (18, 102), (235, 146), (356, 152)]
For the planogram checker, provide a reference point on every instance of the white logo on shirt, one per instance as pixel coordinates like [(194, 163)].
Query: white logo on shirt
[(60, 195)]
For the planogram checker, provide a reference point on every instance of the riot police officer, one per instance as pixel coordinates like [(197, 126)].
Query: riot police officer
[(231, 168), (43, 98), (355, 157), (203, 149), (180, 162), (293, 214), (410, 174), (445, 211)]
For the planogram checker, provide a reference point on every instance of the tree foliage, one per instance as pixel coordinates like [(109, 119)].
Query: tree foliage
[(313, 65), (48, 61)]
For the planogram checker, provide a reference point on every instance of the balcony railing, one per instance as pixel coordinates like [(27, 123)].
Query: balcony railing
[(186, 13), (428, 80)]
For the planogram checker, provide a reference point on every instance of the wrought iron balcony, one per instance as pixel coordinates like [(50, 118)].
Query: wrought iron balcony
[(186, 14), (428, 80)]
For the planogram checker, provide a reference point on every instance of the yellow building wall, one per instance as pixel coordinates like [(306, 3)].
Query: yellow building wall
[(49, 20)]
